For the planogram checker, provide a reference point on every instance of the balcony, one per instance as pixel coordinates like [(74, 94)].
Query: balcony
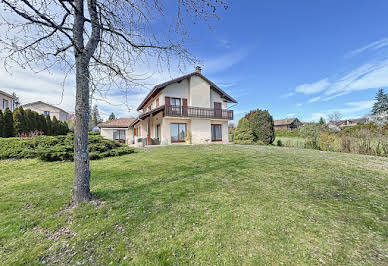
[(197, 112)]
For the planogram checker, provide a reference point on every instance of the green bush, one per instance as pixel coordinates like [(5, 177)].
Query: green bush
[(58, 148), (244, 136), (279, 143), (261, 124)]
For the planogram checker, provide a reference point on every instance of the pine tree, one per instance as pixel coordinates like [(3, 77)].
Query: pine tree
[(112, 116), (8, 130), (1, 123), (43, 124), (49, 124), (322, 121), (55, 127), (381, 104), (262, 125), (19, 121)]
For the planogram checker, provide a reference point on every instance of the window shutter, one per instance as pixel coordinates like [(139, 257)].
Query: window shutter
[(184, 101), (167, 100)]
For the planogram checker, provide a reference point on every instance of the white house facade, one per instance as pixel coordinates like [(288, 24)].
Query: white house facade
[(190, 105)]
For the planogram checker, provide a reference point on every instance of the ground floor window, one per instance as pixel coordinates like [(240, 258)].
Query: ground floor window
[(178, 132), (216, 132), (119, 135)]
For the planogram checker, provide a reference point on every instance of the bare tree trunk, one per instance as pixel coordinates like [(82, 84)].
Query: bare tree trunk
[(81, 187)]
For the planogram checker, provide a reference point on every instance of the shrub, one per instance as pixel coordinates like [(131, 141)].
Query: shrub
[(244, 136), (279, 143), (311, 132), (288, 133), (261, 124), (8, 130), (58, 148)]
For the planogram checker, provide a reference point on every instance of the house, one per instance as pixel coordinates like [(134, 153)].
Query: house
[(6, 101), (48, 109), (287, 124), (350, 122), (117, 129), (190, 105)]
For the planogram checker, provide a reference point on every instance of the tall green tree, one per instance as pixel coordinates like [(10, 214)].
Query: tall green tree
[(49, 126), (322, 121), (8, 130), (262, 125), (1, 123), (19, 121), (55, 127), (43, 123), (381, 103)]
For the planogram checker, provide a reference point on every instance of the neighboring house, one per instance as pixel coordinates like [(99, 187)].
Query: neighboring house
[(48, 109), (6, 101), (350, 122), (117, 129), (287, 124), (190, 103)]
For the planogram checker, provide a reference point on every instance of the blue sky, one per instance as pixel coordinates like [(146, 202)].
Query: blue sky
[(299, 58), (303, 58)]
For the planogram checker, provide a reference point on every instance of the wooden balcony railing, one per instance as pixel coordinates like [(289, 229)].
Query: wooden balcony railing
[(197, 112)]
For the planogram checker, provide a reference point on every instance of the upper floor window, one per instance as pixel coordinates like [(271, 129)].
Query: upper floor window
[(46, 112), (5, 104), (175, 101)]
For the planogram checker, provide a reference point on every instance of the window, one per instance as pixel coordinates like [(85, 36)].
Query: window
[(216, 132), (150, 107), (178, 132), (119, 135), (157, 102), (175, 101), (46, 112), (5, 104)]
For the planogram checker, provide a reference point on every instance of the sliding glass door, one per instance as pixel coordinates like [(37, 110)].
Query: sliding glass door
[(178, 132)]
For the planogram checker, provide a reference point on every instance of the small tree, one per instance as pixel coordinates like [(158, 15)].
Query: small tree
[(112, 116), (19, 121), (322, 121), (381, 103), (262, 125), (335, 117), (55, 127), (96, 118), (8, 130), (1, 123), (15, 101), (43, 123), (311, 132), (49, 125)]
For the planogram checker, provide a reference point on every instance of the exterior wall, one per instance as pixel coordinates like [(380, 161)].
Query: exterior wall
[(40, 108), (108, 133), (152, 102), (9, 99), (176, 90), (215, 97), (199, 92)]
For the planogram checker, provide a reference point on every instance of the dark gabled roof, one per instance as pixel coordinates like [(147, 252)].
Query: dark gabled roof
[(146, 114), (287, 121), (40, 102), (161, 86), (117, 123)]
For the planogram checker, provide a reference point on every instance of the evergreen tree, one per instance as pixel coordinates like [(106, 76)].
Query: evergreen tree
[(8, 130), (96, 116), (243, 134), (321, 121), (19, 121), (112, 116), (1, 123), (43, 124), (381, 104), (55, 127), (261, 124), (30, 120), (49, 125)]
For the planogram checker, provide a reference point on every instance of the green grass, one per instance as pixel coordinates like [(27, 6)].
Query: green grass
[(295, 142), (216, 204)]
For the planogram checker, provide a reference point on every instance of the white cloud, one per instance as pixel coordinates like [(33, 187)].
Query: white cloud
[(290, 115), (289, 94), (315, 99), (313, 87), (353, 107), (372, 46), (299, 105), (225, 61)]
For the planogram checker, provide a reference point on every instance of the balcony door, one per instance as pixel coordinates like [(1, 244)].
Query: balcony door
[(217, 110)]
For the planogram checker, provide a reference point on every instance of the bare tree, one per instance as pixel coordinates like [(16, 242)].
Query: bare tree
[(335, 117), (102, 42)]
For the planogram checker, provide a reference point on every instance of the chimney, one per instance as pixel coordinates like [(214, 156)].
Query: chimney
[(198, 69)]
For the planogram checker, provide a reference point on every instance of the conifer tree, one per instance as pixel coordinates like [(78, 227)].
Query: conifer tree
[(19, 119), (1, 123), (8, 130), (381, 104)]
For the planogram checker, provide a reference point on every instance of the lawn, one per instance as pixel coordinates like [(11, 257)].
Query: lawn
[(216, 204)]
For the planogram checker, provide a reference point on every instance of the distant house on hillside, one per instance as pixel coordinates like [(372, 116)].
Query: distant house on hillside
[(48, 109), (350, 122), (117, 129), (6, 101), (287, 124)]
